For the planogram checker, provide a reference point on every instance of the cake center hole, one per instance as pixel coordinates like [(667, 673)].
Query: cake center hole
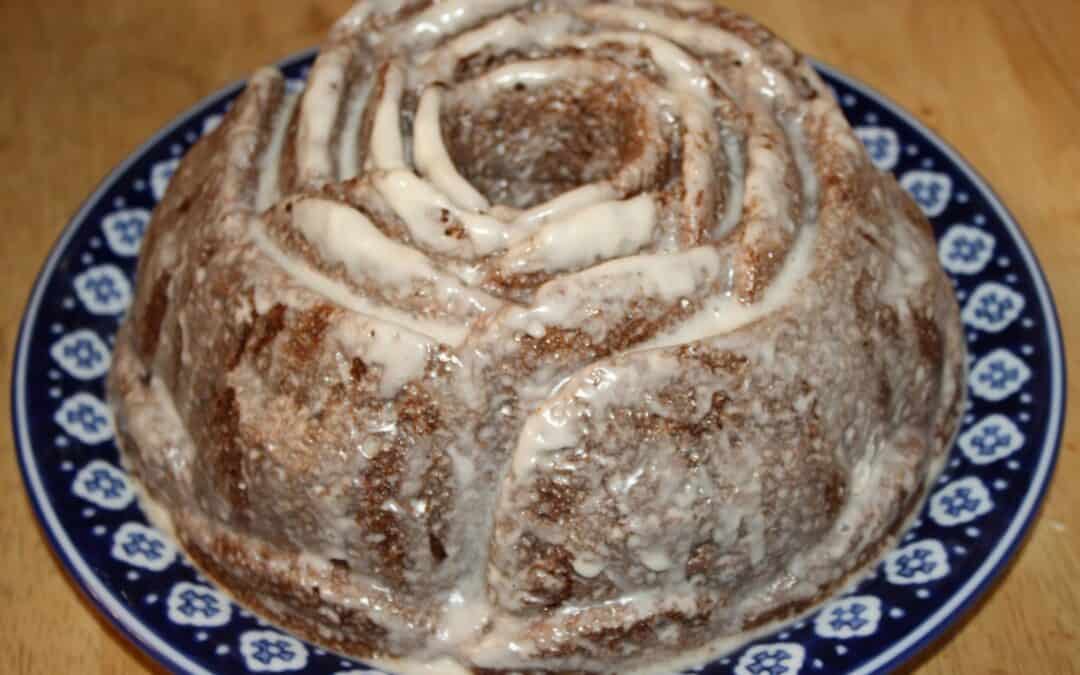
[(524, 146)]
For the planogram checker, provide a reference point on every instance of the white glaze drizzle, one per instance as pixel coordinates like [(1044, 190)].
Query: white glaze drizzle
[(761, 79), (425, 211), (386, 147), (697, 35), (467, 613), (452, 334), (362, 10), (433, 161), (356, 16), (401, 354), (319, 110), (693, 97), (348, 159), (536, 73), (767, 202), (504, 33), (762, 192), (269, 190), (736, 171), (723, 313), (806, 166), (451, 17), (666, 277), (565, 204), (559, 423), (507, 30), (598, 232), (681, 71), (343, 235)]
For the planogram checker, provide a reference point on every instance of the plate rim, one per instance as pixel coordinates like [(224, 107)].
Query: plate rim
[(140, 635), (1004, 552), (89, 584)]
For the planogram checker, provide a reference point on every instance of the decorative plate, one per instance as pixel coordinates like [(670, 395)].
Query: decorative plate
[(971, 525)]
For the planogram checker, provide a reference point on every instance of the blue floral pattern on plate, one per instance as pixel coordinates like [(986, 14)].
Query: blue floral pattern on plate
[(994, 478), (197, 605)]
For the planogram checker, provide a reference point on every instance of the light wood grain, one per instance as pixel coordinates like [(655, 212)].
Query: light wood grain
[(87, 81)]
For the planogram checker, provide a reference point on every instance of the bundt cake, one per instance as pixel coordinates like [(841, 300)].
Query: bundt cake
[(536, 335)]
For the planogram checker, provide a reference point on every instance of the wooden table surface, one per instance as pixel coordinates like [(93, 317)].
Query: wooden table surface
[(86, 81)]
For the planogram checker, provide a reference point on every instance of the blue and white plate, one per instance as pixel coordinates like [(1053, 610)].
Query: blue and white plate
[(976, 517)]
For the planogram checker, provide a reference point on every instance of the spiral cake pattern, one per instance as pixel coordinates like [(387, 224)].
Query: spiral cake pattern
[(549, 336)]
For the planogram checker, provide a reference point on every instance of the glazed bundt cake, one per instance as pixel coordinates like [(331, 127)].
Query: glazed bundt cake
[(553, 336)]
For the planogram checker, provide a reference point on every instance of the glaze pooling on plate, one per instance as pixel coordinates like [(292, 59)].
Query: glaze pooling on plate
[(1008, 445)]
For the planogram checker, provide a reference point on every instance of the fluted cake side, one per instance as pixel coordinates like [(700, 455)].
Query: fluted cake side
[(551, 336)]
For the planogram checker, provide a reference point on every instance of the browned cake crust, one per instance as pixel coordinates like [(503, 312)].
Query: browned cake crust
[(553, 336)]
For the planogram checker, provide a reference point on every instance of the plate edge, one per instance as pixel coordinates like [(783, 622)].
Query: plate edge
[(988, 574), (89, 585)]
